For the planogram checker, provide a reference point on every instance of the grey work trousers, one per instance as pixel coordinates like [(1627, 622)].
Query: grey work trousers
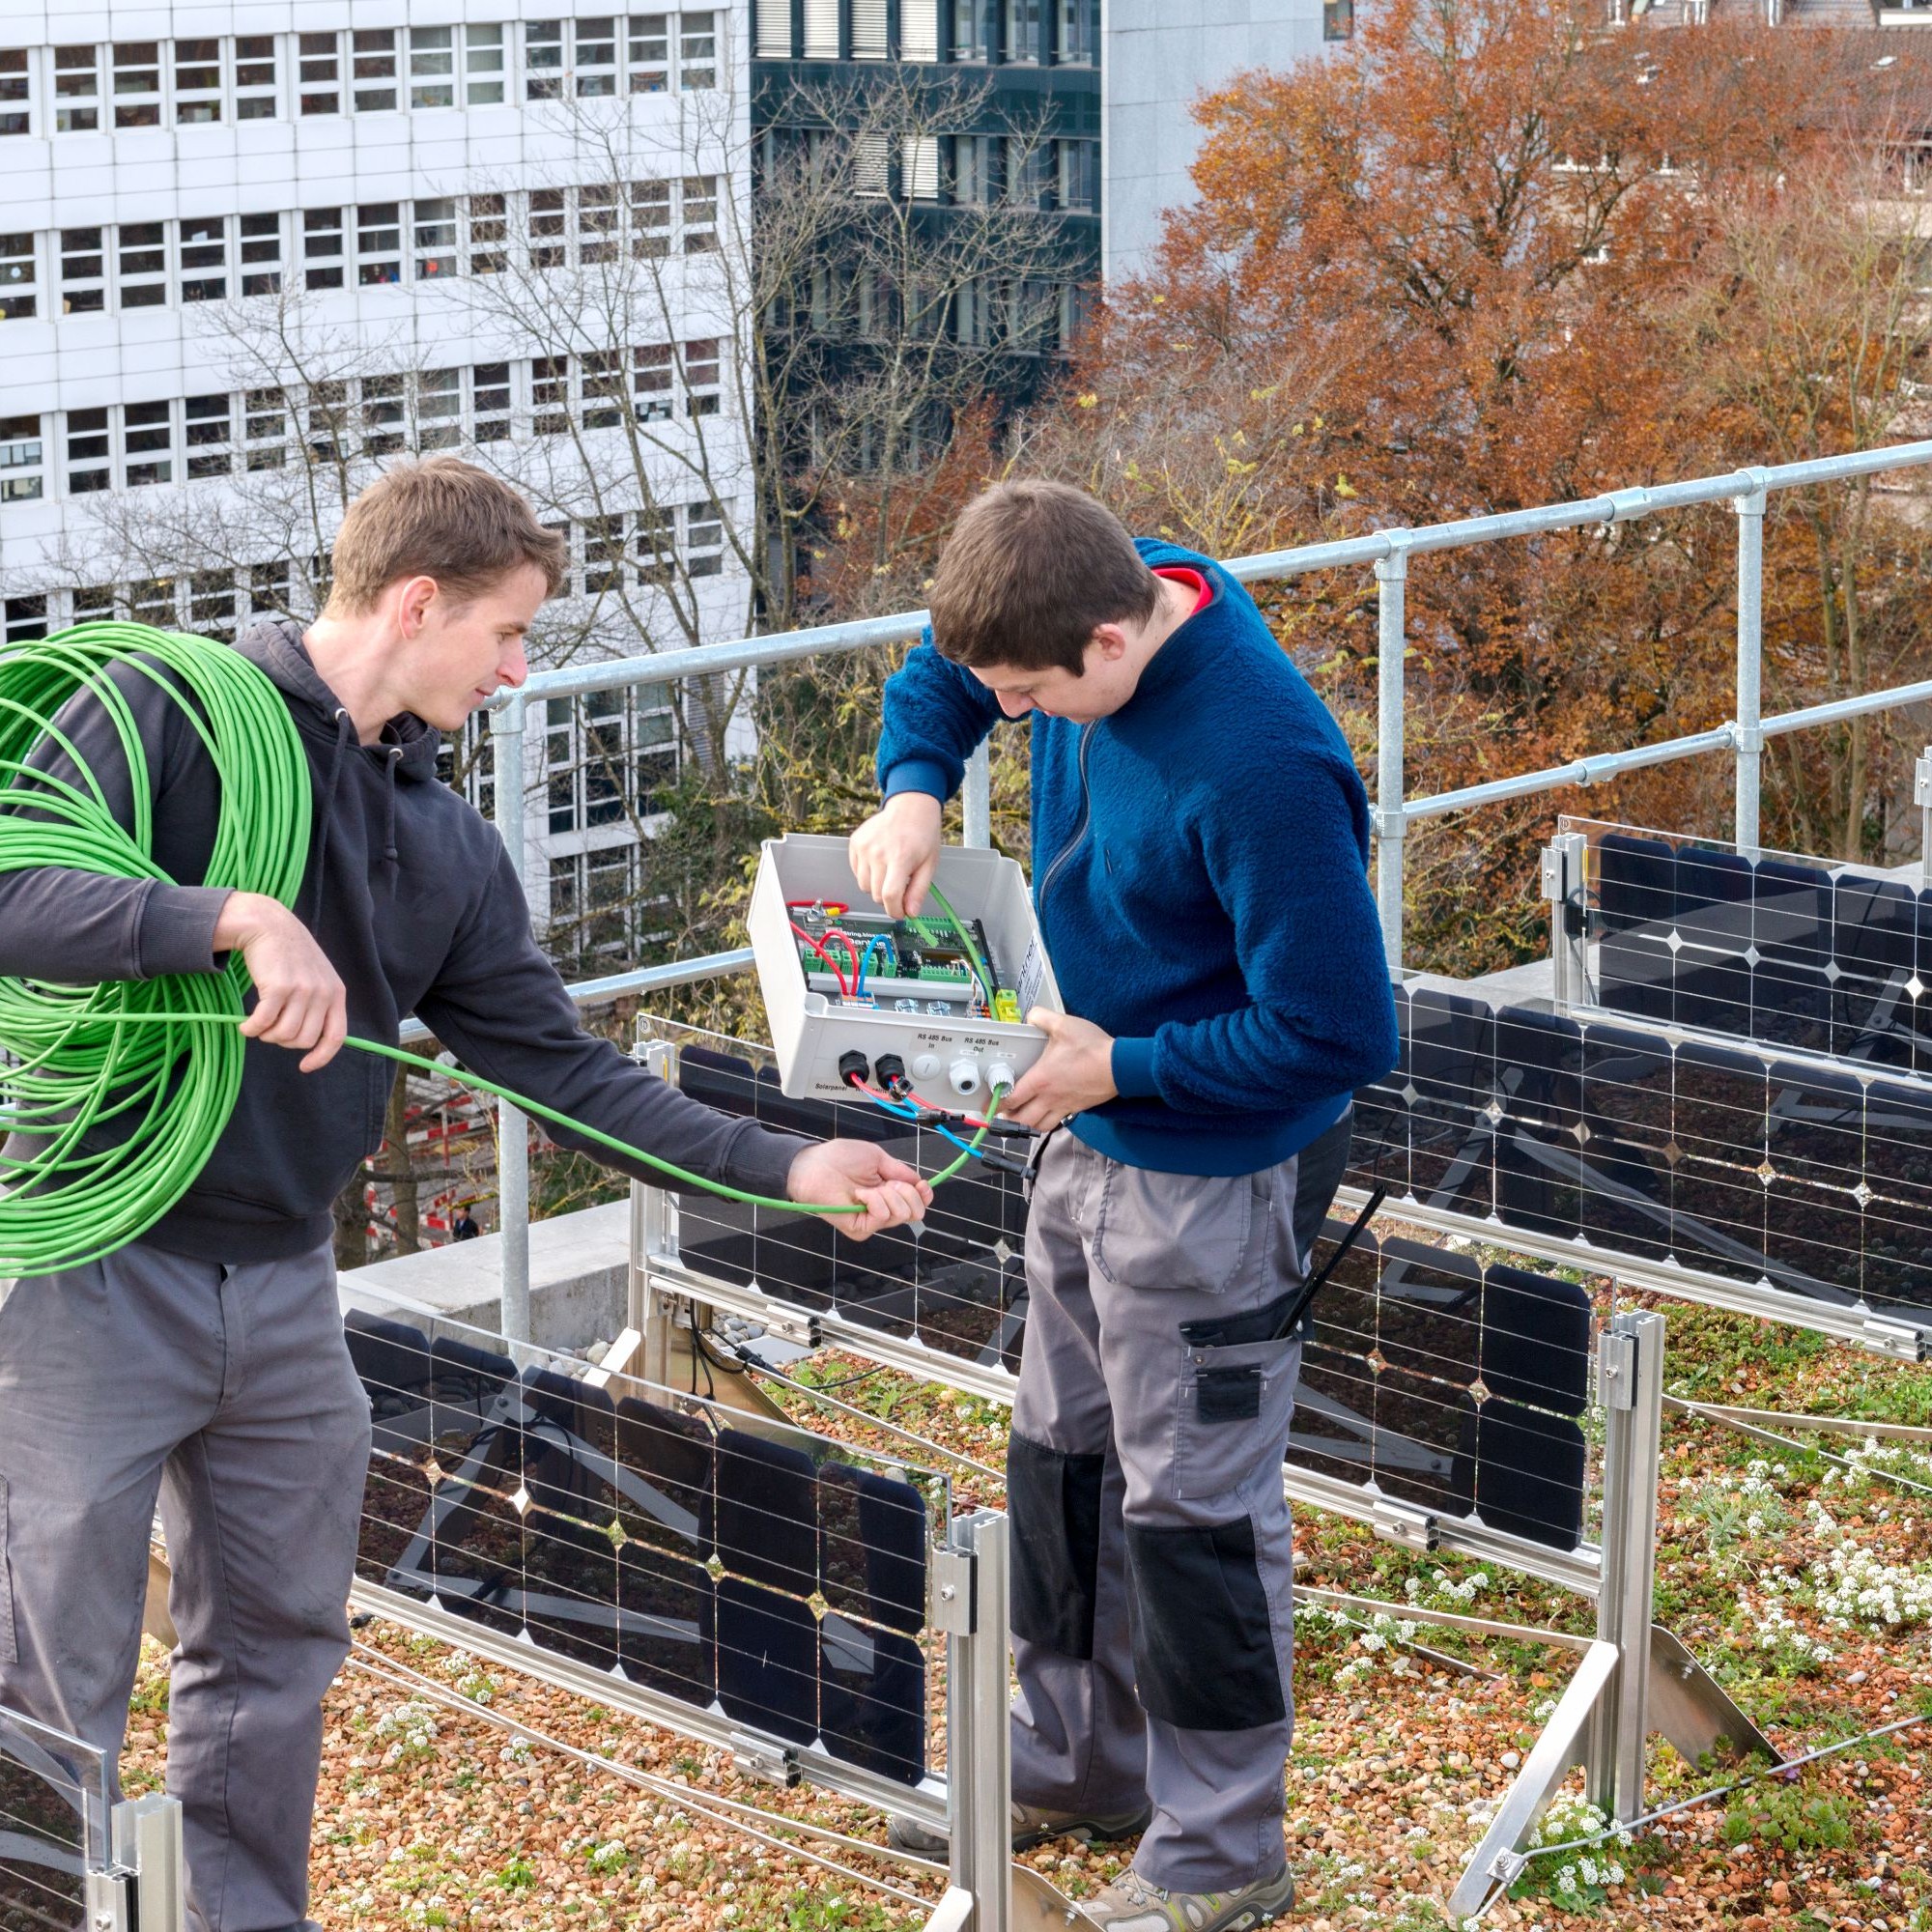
[(229, 1392), (1152, 1562)]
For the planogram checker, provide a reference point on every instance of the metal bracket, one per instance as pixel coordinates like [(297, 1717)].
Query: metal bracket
[(1616, 1366), (789, 1324), (1414, 1528), (1901, 1341), (1628, 503), (761, 1758), (147, 1834), (950, 1600), (1565, 860)]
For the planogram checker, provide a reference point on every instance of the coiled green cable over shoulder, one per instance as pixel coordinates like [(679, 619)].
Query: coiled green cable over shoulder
[(153, 1068), (135, 1057)]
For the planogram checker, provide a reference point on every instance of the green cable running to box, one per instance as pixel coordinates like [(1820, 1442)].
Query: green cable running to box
[(171, 1334)]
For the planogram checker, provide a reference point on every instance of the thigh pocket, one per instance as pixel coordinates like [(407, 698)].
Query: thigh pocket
[(1234, 1406), (1186, 1232), (10, 1651)]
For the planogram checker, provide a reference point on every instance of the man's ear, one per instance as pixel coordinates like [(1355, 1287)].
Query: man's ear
[(1110, 640), (412, 602)]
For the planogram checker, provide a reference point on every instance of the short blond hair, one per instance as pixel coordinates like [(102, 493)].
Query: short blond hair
[(444, 519)]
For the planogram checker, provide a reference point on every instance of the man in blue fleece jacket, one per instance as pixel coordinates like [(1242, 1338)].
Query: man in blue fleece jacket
[(1199, 852)]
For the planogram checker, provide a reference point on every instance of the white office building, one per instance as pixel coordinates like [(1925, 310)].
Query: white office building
[(249, 251)]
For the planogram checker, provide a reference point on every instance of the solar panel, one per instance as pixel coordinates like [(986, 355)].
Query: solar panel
[(761, 1570), (1412, 1348)]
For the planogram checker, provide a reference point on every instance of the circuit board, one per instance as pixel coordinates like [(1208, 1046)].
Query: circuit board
[(900, 965)]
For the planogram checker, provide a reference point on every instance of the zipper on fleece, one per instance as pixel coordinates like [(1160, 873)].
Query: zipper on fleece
[(1066, 851)]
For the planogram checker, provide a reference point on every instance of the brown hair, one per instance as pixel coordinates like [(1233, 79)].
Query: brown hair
[(443, 519), (1029, 572)]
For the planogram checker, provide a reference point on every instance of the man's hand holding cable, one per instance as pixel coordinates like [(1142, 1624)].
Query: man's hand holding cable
[(1075, 1072), (894, 852), (837, 1172), (299, 1000)]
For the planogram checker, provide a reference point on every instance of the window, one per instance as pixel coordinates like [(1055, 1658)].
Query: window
[(374, 51), (378, 244), (656, 541), (821, 29), (204, 259), (490, 401), (94, 604), (649, 52), (197, 82), (550, 395), (973, 30), (1028, 165), (650, 382), (603, 556), (654, 734), (483, 65), (918, 167), (76, 90), (438, 408), (1338, 19), (14, 112), (697, 50), (561, 770), (435, 223), (153, 603), (650, 219), (210, 434), (25, 619), (322, 247), (1080, 174), (1076, 33), (598, 212), (701, 378), (870, 155), (383, 399), (488, 230), (260, 254), (269, 589), (700, 214), (255, 77), (21, 461), (596, 49), (83, 272), (603, 754), (137, 84), (563, 896), (549, 235), (143, 247), (319, 70), (147, 444), (432, 66), (88, 451), (543, 60), (972, 324), (329, 432), (210, 602), (973, 169), (18, 276), (869, 29), (918, 30), (703, 540), (603, 378), (265, 416), (1023, 30)]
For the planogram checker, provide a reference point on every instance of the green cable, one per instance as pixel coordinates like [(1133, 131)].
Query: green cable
[(159, 1062), (977, 964)]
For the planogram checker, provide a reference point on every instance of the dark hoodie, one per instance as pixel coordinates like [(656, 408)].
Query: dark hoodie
[(411, 893)]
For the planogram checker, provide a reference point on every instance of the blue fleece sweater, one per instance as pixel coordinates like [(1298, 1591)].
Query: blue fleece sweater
[(1200, 872)]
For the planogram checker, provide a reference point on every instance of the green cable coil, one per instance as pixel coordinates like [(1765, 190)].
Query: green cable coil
[(158, 1062)]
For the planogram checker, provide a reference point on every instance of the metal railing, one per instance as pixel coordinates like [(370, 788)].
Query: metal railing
[(1387, 552)]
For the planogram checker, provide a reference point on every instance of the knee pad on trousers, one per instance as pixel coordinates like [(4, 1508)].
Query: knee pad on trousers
[(1204, 1645), (1054, 1502)]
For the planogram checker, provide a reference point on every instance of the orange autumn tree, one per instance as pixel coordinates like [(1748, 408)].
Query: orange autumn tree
[(1442, 273)]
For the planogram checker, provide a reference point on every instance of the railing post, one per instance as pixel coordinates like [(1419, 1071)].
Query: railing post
[(1922, 797), (977, 798), (1631, 1364), (1749, 509), (1391, 829), (513, 1135), (979, 1732), (653, 1238)]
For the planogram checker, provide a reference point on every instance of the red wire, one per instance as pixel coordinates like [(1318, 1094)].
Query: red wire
[(832, 908), (852, 952), (824, 956), (903, 1094)]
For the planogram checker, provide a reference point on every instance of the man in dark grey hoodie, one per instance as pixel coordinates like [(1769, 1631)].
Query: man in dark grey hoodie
[(205, 1364)]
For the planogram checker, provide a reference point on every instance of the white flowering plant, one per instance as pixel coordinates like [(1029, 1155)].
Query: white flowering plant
[(408, 1730), (1581, 1877)]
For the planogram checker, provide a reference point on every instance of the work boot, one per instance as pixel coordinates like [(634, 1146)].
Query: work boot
[(1032, 1826), (1130, 1904)]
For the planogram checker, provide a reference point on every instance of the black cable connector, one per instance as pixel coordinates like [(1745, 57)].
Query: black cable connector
[(891, 1074), (854, 1066)]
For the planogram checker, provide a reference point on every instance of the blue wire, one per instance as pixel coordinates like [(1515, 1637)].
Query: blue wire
[(913, 1115), (877, 938)]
